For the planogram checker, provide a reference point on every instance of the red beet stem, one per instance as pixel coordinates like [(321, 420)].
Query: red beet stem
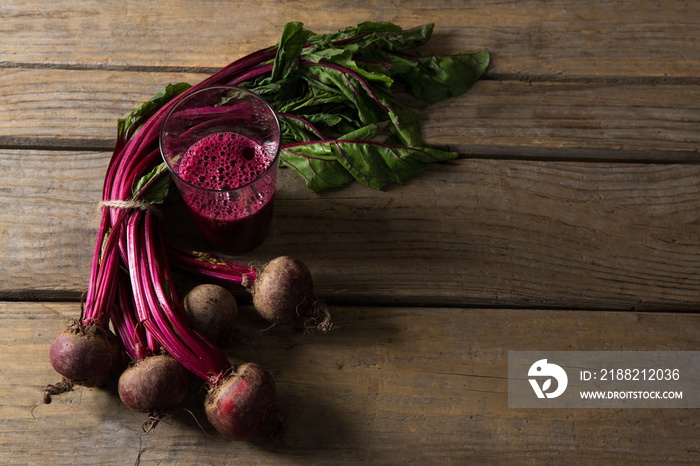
[(166, 313), (208, 265)]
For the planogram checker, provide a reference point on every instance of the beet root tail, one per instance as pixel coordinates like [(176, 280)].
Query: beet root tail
[(64, 386)]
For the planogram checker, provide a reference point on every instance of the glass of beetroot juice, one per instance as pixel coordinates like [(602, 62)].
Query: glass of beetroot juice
[(222, 144)]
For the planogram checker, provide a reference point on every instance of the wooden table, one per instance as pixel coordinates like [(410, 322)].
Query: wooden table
[(571, 222)]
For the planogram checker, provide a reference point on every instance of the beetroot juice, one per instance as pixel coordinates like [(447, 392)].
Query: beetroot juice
[(221, 144), (231, 202)]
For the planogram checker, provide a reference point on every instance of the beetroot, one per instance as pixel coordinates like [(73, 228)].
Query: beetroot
[(153, 385), (210, 309), (283, 293), (86, 355), (240, 406), (282, 290), (240, 401)]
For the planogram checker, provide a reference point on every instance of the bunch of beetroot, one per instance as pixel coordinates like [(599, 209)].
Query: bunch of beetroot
[(157, 339), (133, 324), (340, 122)]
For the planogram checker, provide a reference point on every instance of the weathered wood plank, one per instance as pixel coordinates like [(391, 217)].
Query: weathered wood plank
[(389, 386), (73, 108), (642, 38), (473, 232), (49, 217), (572, 120), (621, 121)]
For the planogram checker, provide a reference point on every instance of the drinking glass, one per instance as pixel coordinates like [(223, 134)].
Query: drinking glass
[(221, 144)]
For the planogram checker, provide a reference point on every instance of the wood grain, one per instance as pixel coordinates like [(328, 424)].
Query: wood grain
[(473, 232), (613, 120), (49, 217), (543, 120), (73, 108), (389, 385), (531, 38)]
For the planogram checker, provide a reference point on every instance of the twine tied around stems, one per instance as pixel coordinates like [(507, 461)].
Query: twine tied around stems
[(131, 205)]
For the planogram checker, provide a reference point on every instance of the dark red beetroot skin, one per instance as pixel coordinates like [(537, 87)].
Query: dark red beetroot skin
[(153, 385), (240, 407), (86, 355), (210, 309), (284, 294), (283, 290)]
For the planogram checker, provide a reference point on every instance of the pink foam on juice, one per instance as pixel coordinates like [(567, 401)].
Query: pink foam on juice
[(223, 162)]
